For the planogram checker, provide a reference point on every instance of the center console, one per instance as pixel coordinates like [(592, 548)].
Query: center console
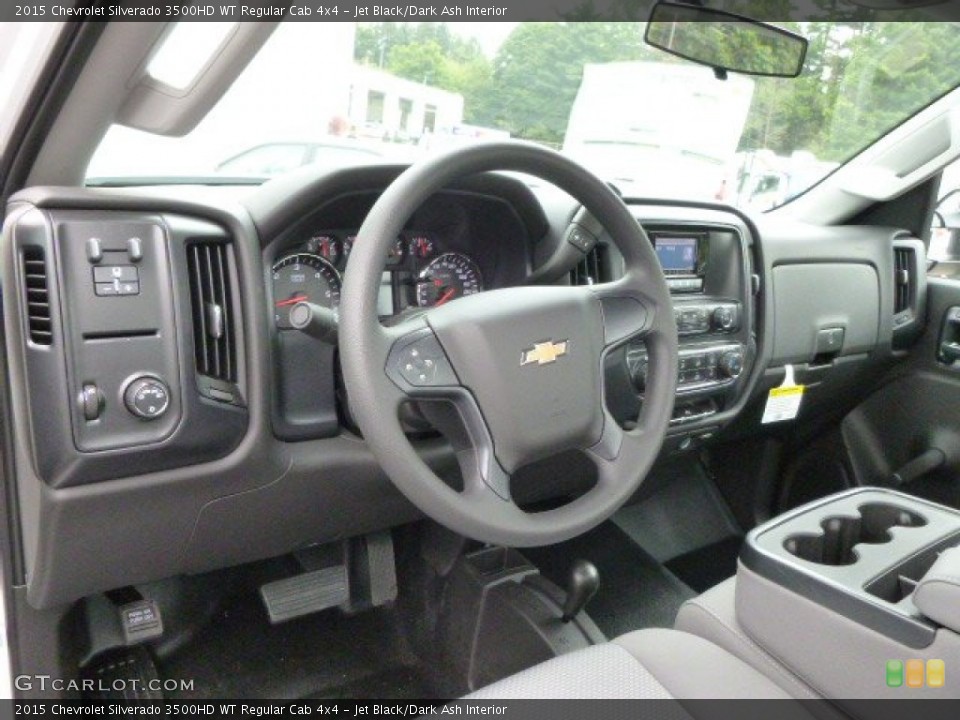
[(858, 594), (707, 270)]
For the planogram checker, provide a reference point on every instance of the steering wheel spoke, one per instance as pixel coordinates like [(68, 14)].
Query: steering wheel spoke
[(628, 313)]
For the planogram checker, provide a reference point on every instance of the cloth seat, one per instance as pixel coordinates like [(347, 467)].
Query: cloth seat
[(646, 664)]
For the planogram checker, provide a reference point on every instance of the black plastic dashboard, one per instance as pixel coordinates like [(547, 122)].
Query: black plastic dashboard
[(252, 455)]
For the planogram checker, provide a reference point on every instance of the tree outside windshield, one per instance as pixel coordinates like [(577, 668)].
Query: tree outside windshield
[(650, 123)]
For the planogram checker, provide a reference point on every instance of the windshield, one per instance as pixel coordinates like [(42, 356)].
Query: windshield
[(650, 123)]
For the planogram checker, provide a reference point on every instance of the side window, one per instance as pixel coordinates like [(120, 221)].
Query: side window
[(945, 232)]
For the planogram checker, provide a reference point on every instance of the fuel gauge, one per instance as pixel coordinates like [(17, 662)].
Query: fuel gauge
[(422, 247), (326, 246)]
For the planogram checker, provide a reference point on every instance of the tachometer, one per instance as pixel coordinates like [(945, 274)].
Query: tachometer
[(446, 278), (303, 277)]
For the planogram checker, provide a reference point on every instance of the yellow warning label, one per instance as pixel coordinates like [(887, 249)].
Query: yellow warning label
[(780, 392), (783, 403)]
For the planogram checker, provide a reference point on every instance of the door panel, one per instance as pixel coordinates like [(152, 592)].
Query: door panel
[(910, 427)]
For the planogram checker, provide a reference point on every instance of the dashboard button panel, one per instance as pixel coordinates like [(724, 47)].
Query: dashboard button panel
[(702, 368), (709, 316)]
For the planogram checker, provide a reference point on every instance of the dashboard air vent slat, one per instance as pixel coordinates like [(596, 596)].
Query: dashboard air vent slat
[(903, 269), (210, 294), (37, 296), (591, 270)]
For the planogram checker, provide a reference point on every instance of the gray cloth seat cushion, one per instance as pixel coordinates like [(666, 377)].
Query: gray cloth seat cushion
[(642, 665), (713, 616)]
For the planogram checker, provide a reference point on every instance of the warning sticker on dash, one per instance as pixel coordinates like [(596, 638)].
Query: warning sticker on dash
[(783, 403)]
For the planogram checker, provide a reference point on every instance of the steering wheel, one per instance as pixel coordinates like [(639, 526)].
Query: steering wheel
[(512, 375)]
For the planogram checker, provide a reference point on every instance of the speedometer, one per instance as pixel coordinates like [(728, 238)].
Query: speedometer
[(303, 277), (446, 278)]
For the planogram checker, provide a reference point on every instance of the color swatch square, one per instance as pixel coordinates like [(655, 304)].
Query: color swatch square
[(936, 673), (914, 673), (894, 673)]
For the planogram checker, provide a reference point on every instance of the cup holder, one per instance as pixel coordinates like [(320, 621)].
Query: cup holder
[(841, 534)]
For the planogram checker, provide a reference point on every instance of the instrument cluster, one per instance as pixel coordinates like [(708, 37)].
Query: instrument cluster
[(419, 271)]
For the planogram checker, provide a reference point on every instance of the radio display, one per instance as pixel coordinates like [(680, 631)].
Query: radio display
[(677, 255)]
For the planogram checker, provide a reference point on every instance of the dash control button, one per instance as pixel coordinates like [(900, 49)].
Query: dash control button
[(135, 249), (94, 250), (147, 397), (91, 402), (109, 273)]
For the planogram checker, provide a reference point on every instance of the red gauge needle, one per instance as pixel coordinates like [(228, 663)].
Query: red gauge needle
[(448, 295), (292, 301)]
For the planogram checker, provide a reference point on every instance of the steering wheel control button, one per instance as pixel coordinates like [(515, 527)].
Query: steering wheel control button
[(419, 361), (147, 397), (91, 402)]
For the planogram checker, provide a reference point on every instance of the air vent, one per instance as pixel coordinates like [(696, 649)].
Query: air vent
[(37, 296), (213, 330), (592, 269), (903, 278)]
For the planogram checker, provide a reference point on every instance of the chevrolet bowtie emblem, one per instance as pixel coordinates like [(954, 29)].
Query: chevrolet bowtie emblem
[(544, 353)]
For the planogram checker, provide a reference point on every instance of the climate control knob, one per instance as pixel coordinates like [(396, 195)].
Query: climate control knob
[(724, 317), (147, 397), (731, 364)]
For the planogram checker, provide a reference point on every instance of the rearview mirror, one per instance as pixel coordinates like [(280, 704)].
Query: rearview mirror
[(724, 41)]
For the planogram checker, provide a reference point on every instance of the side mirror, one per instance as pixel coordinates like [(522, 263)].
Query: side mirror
[(725, 41)]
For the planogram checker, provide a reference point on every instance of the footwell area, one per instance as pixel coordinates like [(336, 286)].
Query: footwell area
[(705, 567), (656, 554), (635, 590), (326, 655), (652, 557)]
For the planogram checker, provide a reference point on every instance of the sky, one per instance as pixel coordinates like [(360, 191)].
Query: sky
[(490, 34)]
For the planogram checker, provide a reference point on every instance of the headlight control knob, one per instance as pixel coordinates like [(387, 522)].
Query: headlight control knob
[(147, 397)]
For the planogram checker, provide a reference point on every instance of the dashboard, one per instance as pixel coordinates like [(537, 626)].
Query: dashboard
[(168, 418)]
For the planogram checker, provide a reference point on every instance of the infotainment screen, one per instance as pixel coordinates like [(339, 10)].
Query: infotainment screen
[(677, 255)]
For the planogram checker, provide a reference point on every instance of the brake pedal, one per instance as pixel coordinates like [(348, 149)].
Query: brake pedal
[(307, 593), (354, 575)]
